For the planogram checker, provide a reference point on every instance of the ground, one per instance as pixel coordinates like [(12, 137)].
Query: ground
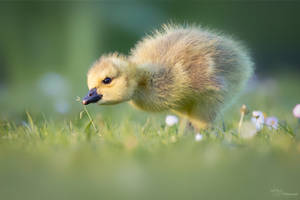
[(133, 155)]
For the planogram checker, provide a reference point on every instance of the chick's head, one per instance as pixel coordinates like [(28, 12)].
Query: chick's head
[(111, 80)]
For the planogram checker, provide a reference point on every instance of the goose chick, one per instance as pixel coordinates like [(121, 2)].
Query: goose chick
[(191, 71)]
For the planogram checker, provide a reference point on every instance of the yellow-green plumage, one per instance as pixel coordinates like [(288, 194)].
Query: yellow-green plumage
[(189, 70)]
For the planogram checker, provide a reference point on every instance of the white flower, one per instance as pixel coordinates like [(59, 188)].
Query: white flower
[(171, 120), (258, 119), (296, 111), (248, 130), (272, 122), (198, 137)]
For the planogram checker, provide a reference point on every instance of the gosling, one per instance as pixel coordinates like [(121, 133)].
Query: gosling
[(191, 71)]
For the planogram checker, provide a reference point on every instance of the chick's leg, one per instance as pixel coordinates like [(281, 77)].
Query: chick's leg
[(203, 115), (182, 125), (194, 120), (199, 125)]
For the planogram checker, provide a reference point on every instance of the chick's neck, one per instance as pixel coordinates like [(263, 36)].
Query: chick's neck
[(153, 87)]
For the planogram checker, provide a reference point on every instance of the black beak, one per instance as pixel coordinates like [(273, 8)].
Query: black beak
[(91, 97)]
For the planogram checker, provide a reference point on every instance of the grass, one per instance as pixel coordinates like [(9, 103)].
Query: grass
[(132, 155)]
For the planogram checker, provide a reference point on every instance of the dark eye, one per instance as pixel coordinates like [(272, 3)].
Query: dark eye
[(107, 80)]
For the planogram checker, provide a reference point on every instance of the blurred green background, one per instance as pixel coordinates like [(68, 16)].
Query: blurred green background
[(47, 47)]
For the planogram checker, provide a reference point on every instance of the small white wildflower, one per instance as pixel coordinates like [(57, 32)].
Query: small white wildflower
[(198, 137), (171, 120), (296, 111), (258, 120), (248, 130), (272, 122)]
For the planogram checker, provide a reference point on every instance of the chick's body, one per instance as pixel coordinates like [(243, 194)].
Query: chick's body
[(191, 71), (194, 72)]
